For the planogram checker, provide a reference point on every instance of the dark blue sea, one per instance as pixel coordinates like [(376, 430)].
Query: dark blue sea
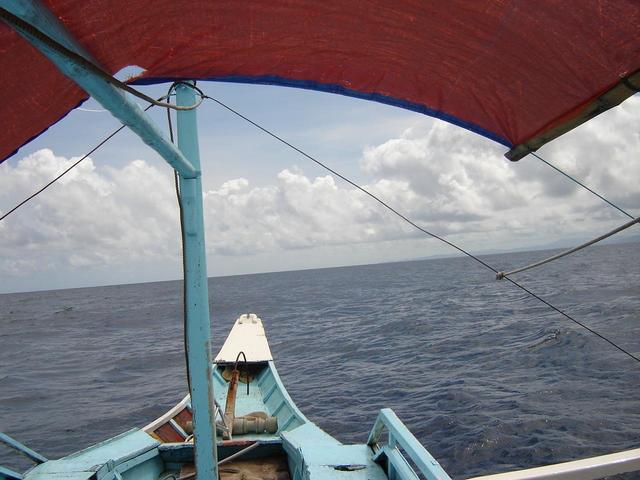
[(486, 377)]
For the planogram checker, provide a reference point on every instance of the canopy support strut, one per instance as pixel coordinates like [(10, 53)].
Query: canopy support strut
[(196, 295), (186, 161), (123, 108)]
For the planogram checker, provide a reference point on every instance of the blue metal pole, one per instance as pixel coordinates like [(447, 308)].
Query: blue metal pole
[(186, 161), (196, 296), (114, 100), (16, 445)]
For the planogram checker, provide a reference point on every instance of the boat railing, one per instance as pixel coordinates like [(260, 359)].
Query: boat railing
[(24, 450), (402, 442), (586, 469)]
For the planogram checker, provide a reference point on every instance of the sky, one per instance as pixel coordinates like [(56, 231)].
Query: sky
[(114, 218)]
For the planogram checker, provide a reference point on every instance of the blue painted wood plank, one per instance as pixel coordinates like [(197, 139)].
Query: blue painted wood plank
[(8, 474), (286, 422), (23, 449), (318, 456), (278, 408), (401, 467), (270, 392), (123, 453), (196, 295), (427, 465)]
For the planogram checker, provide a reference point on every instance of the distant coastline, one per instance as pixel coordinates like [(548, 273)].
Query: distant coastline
[(548, 247)]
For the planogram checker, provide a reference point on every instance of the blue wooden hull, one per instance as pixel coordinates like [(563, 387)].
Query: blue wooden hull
[(164, 449)]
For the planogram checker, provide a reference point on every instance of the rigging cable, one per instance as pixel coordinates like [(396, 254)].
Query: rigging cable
[(501, 275), (176, 178), (117, 83), (633, 221), (418, 227), (362, 189), (581, 184), (75, 164)]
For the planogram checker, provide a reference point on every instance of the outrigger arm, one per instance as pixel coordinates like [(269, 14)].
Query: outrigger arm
[(186, 161)]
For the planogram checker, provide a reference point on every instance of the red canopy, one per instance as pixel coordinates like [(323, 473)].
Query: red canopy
[(520, 73)]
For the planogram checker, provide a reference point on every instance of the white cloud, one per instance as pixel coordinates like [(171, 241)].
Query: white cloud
[(462, 182), (295, 212), (89, 217), (604, 154), (448, 180)]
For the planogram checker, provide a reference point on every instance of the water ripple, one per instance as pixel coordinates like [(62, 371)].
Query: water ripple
[(487, 378)]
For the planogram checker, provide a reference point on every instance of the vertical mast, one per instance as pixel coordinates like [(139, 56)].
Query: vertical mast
[(198, 324), (186, 161)]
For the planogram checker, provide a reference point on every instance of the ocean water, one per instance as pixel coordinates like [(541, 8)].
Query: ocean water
[(487, 378)]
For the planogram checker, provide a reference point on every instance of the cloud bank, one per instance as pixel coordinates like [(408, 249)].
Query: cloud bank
[(444, 178)]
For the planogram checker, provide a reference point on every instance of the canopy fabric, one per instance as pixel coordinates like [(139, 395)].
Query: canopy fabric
[(519, 73)]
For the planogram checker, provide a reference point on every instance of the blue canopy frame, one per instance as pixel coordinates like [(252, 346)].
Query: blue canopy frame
[(185, 159)]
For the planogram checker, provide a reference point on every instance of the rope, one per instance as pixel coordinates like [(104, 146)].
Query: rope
[(75, 164), (413, 224), (353, 184), (569, 317), (582, 185), (501, 275), (176, 179), (20, 24), (29, 29)]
